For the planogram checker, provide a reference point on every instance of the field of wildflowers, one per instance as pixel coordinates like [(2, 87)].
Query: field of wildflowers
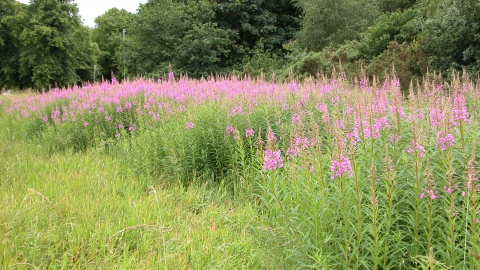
[(330, 173)]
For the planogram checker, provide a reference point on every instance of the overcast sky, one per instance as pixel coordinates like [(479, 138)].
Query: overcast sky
[(90, 9)]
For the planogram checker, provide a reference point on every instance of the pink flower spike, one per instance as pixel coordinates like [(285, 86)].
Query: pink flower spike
[(189, 125), (272, 160), (249, 133), (341, 166), (230, 130)]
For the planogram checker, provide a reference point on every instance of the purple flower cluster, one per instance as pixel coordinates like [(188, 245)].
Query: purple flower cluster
[(249, 132), (436, 117), (189, 125), (295, 119), (235, 111), (272, 160), (431, 194), (230, 130), (340, 166), (300, 144), (459, 110), (416, 147), (444, 141)]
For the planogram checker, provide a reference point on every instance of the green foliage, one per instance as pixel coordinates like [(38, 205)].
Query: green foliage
[(262, 63), (450, 35), (259, 24), (108, 34), (345, 58), (10, 12), (205, 49), (331, 22), (399, 26), (395, 5), (54, 46), (404, 59), (206, 37)]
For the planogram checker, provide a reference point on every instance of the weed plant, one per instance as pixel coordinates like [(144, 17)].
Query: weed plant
[(322, 174)]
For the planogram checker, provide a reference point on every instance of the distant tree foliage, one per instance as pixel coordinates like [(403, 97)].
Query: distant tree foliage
[(48, 43), (108, 34), (395, 5), (451, 34), (44, 44), (9, 43), (332, 22)]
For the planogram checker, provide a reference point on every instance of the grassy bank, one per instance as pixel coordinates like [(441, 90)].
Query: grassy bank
[(229, 173)]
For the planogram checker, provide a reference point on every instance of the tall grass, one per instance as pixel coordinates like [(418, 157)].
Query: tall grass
[(322, 174)]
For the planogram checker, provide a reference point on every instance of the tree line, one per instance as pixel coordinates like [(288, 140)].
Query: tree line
[(44, 44)]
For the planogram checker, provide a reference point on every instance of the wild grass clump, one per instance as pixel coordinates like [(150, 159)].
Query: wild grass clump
[(341, 174)]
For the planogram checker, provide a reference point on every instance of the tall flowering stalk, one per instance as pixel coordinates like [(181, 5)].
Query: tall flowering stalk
[(389, 205), (460, 116), (471, 223), (430, 193), (418, 151)]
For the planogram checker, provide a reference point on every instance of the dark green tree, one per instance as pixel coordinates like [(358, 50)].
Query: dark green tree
[(399, 26), (331, 22), (86, 54), (260, 24), (451, 34), (181, 35), (11, 15), (395, 5), (50, 51), (109, 35)]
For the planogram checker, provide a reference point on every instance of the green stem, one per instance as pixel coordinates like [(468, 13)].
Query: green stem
[(345, 226), (359, 211)]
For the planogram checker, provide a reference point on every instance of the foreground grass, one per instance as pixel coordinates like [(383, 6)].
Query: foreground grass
[(85, 210), (227, 173)]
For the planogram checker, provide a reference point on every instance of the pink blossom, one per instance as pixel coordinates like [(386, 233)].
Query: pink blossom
[(322, 108), (341, 166), (249, 132), (444, 141), (295, 119), (189, 125), (235, 111), (272, 160), (459, 110), (416, 147), (230, 130), (436, 117), (398, 110)]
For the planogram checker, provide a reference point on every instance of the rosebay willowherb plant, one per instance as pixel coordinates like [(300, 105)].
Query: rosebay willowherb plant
[(347, 174)]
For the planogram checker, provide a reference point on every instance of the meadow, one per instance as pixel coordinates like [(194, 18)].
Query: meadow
[(236, 173)]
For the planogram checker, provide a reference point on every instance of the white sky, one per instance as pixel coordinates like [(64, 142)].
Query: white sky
[(90, 9)]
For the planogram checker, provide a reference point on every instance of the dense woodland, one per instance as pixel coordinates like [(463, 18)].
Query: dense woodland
[(44, 44)]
